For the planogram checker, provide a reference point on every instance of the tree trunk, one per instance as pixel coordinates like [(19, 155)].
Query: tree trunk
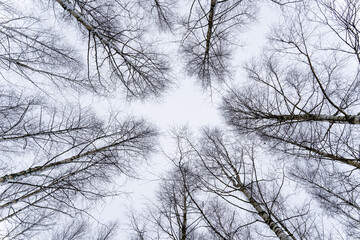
[(350, 119), (266, 217)]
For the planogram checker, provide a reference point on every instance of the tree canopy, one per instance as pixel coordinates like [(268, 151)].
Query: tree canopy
[(284, 165)]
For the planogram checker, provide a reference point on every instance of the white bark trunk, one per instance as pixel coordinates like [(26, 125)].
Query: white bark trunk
[(280, 233), (328, 156), (81, 19), (32, 170), (350, 119)]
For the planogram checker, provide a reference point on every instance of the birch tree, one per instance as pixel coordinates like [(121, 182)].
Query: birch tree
[(210, 28), (231, 172), (81, 229), (303, 100), (114, 37), (162, 12), (56, 161), (116, 52), (213, 33), (174, 214)]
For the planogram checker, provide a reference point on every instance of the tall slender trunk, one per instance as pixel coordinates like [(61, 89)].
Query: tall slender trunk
[(349, 119), (184, 217), (209, 30), (274, 226), (50, 165), (328, 156), (279, 229)]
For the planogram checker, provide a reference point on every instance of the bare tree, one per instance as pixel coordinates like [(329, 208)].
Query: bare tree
[(176, 215), (59, 159), (232, 173), (336, 192), (116, 49), (114, 37), (208, 39), (303, 100), (81, 229), (212, 30), (172, 215), (163, 12), (138, 227)]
